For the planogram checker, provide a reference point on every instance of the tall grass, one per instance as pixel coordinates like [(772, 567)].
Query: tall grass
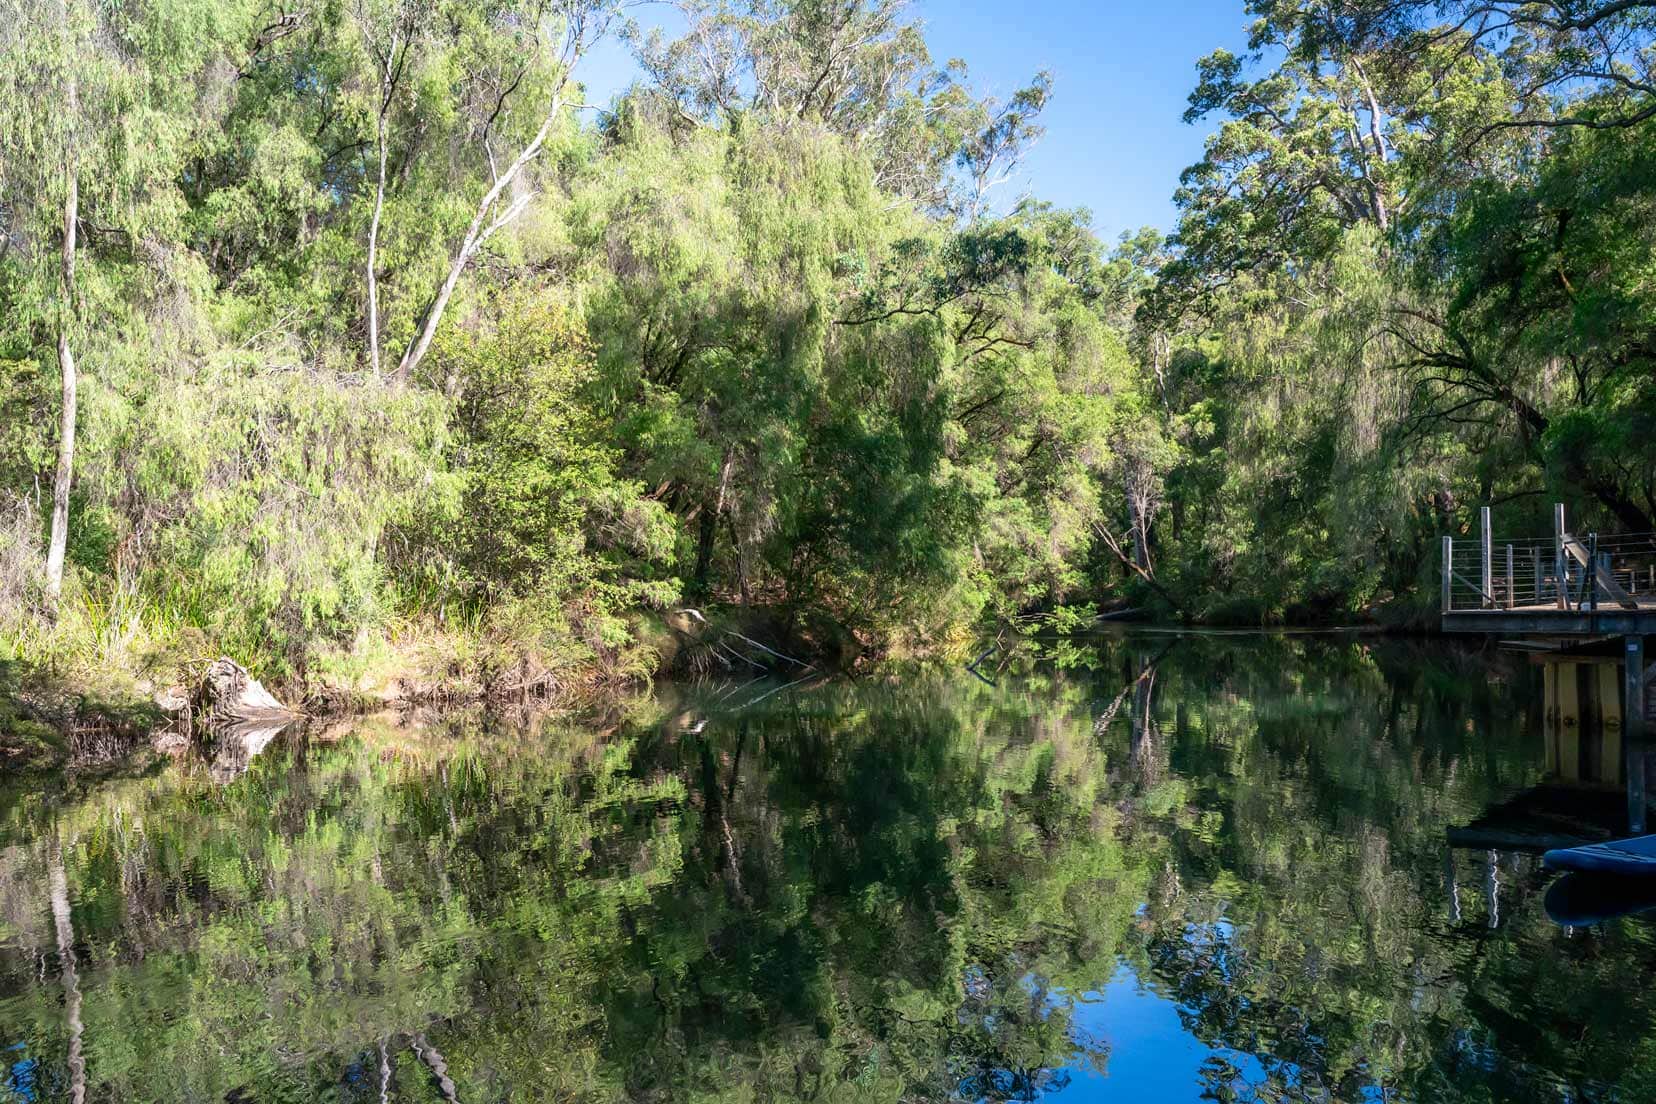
[(102, 629)]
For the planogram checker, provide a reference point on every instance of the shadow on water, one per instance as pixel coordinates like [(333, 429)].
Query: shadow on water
[(1214, 868)]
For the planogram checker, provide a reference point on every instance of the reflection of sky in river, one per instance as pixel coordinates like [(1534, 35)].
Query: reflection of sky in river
[(1152, 1056), (1131, 1042), (1147, 1053)]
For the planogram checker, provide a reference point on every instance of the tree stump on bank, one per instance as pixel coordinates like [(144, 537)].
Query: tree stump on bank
[(232, 716)]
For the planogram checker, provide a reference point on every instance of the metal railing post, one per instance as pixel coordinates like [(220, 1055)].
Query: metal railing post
[(1488, 579), (1591, 571), (1448, 573), (1561, 577)]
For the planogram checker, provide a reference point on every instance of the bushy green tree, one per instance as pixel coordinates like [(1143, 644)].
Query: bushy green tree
[(532, 511), (1402, 287)]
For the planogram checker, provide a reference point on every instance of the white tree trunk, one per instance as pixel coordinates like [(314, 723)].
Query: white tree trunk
[(476, 234), (66, 365), (1382, 214), (1139, 509), (373, 257), (379, 206), (585, 21)]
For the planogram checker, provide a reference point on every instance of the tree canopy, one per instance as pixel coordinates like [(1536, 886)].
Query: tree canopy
[(373, 325)]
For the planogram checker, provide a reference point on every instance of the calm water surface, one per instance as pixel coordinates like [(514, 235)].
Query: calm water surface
[(1158, 869)]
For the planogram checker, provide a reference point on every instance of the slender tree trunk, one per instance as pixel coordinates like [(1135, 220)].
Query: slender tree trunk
[(1129, 562), (585, 22), (710, 524), (373, 257), (1377, 135), (477, 233), (65, 469), (1139, 507), (1141, 544), (61, 920), (66, 366), (704, 545), (741, 563), (379, 206)]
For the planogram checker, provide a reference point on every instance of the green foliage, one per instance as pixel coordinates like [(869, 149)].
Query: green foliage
[(1411, 277), (762, 336), (536, 487), (533, 517), (264, 498), (784, 356), (851, 409)]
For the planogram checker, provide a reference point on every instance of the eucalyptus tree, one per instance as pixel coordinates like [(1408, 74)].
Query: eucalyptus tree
[(1386, 300), (89, 195), (391, 36), (1566, 63), (43, 48), (550, 38), (859, 68), (371, 152)]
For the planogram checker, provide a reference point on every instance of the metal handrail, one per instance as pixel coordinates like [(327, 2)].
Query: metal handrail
[(1539, 572)]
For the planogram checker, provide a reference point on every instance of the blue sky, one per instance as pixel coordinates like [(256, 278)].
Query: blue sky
[(1114, 143)]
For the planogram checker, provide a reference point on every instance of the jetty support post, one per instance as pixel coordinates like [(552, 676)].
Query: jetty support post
[(1633, 731), (1488, 579), (1510, 580)]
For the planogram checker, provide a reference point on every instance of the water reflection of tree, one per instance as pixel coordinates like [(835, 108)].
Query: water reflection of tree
[(1308, 924), (846, 893), (63, 925), (791, 902), (887, 866)]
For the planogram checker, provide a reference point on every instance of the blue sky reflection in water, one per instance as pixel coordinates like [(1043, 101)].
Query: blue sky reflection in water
[(1211, 869)]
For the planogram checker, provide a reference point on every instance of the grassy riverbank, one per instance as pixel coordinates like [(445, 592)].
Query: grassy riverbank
[(86, 683)]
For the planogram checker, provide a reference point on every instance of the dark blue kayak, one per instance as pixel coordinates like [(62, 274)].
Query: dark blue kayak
[(1630, 857)]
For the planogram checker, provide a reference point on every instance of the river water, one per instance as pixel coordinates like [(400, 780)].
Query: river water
[(1144, 868)]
